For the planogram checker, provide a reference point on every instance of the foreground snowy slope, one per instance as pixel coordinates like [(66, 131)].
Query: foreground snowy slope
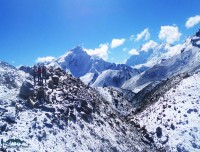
[(68, 117), (174, 120)]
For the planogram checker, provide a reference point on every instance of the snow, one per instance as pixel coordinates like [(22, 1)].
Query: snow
[(81, 65), (105, 94), (185, 59), (47, 131), (114, 78), (129, 84), (87, 78), (180, 107)]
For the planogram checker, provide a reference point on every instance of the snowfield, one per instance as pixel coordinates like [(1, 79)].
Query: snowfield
[(177, 114)]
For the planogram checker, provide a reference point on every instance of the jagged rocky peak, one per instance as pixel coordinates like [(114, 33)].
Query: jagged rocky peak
[(77, 50), (198, 33), (5, 65)]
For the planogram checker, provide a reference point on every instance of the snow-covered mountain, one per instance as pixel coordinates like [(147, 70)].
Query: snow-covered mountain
[(151, 56), (169, 114), (62, 115), (187, 59), (114, 78), (65, 114), (93, 70)]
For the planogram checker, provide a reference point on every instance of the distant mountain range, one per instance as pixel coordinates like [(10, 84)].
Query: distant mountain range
[(92, 70), (187, 60), (154, 64)]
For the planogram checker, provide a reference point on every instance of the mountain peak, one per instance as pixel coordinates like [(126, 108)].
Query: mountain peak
[(77, 49)]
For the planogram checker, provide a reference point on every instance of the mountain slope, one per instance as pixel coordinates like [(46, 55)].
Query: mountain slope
[(173, 118), (115, 78), (186, 61), (68, 116), (89, 68), (78, 63), (151, 56)]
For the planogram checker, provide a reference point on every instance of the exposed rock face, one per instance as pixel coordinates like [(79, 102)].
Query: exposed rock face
[(198, 33), (26, 69), (55, 79)]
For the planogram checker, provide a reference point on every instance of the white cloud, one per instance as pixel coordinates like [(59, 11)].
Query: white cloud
[(170, 34), (133, 52), (143, 35), (192, 21), (149, 45), (117, 42), (45, 59), (101, 52)]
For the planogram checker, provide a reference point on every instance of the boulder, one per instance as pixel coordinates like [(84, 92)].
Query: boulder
[(72, 117), (40, 93), (31, 92), (3, 127), (159, 132), (26, 89), (55, 79), (48, 125), (147, 139), (86, 118), (50, 84), (87, 110), (47, 108), (10, 116)]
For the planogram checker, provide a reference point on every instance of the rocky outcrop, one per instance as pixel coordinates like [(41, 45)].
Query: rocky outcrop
[(26, 89)]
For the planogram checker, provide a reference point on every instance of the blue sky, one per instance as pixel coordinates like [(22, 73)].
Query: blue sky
[(38, 28)]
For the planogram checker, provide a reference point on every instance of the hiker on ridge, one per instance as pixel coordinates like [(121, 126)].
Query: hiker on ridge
[(44, 73), (34, 73), (39, 73)]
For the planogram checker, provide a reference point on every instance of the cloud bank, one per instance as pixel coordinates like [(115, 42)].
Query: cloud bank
[(45, 59), (143, 35), (149, 45), (133, 52), (117, 42), (170, 34), (101, 52), (192, 21)]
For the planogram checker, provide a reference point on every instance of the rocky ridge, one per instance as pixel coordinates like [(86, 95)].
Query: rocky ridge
[(65, 116)]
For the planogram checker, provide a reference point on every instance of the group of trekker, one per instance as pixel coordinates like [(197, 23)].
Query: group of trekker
[(39, 72)]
